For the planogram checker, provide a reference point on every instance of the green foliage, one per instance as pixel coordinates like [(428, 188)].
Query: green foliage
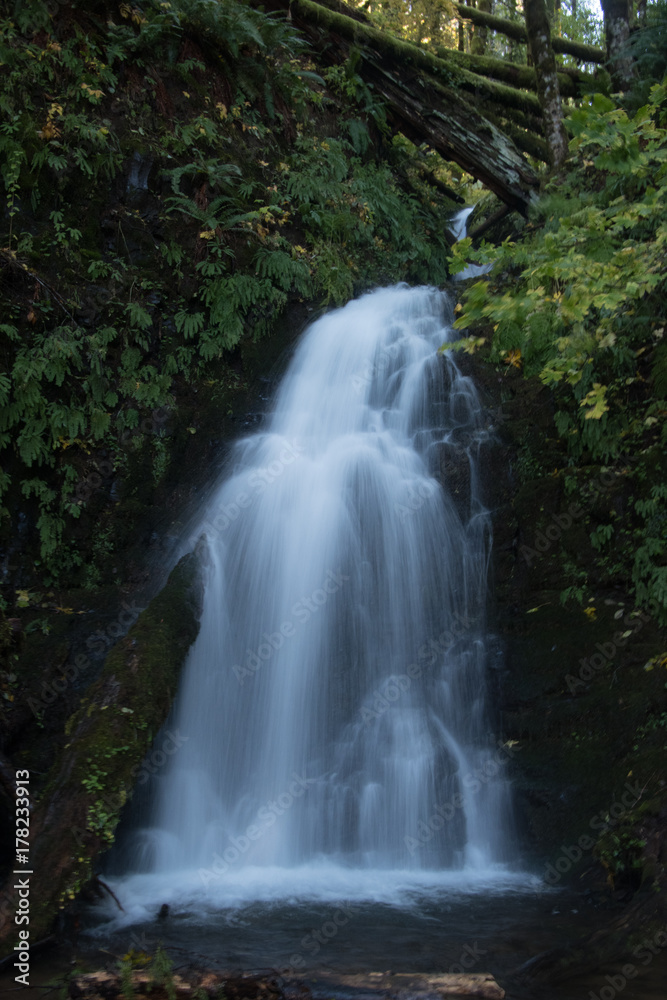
[(418, 21), (126, 981), (262, 183), (648, 48), (362, 226), (581, 22), (582, 302), (161, 973), (621, 852)]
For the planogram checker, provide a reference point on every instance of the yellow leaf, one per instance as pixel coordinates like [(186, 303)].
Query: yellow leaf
[(22, 598), (597, 402), (591, 613)]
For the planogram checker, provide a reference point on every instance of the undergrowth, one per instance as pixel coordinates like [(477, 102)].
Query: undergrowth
[(173, 176), (581, 303)]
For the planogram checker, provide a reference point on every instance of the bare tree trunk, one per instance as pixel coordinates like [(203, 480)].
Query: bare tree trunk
[(617, 32), (469, 27), (544, 60), (479, 40)]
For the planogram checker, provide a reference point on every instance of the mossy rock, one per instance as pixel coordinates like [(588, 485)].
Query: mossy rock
[(121, 713)]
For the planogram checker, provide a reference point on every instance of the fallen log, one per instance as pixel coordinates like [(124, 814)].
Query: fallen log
[(372, 40), (74, 820), (440, 186), (461, 134), (426, 109), (413, 986), (571, 81), (484, 226), (107, 985), (517, 31), (527, 142)]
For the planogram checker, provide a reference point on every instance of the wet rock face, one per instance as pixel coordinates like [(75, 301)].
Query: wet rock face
[(107, 738), (573, 690), (454, 466)]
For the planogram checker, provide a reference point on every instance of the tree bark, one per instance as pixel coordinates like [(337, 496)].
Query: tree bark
[(539, 40), (617, 32), (458, 133), (527, 142), (479, 39), (517, 31)]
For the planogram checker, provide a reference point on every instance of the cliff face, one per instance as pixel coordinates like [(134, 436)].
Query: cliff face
[(581, 687)]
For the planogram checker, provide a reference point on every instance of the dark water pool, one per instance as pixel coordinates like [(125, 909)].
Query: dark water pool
[(335, 946)]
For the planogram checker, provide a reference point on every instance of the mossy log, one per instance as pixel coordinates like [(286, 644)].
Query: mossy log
[(423, 109), (461, 134), (396, 52), (74, 820), (527, 142), (572, 82), (517, 31), (517, 104)]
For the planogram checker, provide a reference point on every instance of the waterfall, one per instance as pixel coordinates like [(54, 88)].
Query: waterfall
[(333, 709)]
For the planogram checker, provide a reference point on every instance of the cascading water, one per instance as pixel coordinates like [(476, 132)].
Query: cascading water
[(333, 707)]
